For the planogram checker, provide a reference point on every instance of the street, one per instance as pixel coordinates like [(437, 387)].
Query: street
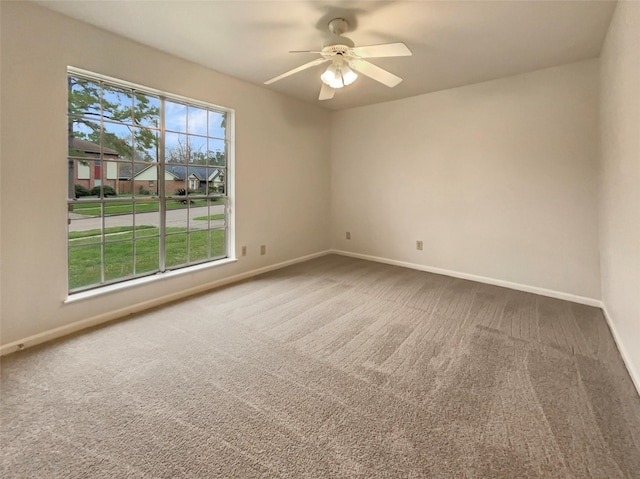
[(175, 218)]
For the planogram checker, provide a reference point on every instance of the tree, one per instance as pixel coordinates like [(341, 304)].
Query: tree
[(88, 101), (184, 153)]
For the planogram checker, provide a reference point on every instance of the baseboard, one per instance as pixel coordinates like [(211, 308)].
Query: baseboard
[(633, 372), (74, 327), (480, 279)]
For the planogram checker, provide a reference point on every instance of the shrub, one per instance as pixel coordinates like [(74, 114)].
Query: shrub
[(182, 192), (81, 191), (107, 191), (142, 191)]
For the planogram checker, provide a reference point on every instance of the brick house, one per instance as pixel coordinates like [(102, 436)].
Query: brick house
[(97, 169), (192, 178)]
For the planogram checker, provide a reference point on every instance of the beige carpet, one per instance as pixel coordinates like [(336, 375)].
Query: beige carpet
[(335, 367)]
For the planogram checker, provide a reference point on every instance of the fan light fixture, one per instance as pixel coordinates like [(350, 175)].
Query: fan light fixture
[(344, 57), (338, 75)]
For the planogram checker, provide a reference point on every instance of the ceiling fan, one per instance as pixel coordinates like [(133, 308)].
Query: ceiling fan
[(347, 59)]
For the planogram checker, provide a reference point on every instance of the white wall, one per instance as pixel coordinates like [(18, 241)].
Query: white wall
[(620, 180), (282, 170), (498, 179)]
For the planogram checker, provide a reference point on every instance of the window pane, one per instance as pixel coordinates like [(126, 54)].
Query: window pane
[(218, 216), (84, 138), (197, 179), (203, 217), (216, 180), (197, 120), (197, 150), (125, 174), (117, 141), (118, 260), (146, 110), (117, 104), (147, 255), (85, 266), (199, 217), (80, 178), (118, 222), (217, 124), (176, 150), (145, 181), (174, 183), (84, 229), (175, 117), (218, 243), (147, 143), (102, 186), (198, 246), (84, 97), (147, 218), (177, 215), (176, 249), (144, 231), (216, 152)]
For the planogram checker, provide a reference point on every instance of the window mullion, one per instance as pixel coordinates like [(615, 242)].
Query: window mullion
[(161, 189), (103, 249)]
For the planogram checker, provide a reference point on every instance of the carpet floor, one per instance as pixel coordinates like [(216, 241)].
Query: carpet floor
[(335, 367)]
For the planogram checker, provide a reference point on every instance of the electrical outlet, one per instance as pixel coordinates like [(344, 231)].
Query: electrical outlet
[(419, 245), (348, 235), (244, 251), (263, 249)]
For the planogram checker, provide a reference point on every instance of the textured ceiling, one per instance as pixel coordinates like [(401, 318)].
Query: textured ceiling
[(454, 43)]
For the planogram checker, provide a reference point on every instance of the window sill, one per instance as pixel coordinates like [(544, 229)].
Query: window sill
[(74, 297)]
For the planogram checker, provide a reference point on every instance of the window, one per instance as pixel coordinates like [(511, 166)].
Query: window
[(151, 207)]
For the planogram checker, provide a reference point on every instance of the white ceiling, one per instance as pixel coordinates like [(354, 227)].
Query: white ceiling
[(454, 43)]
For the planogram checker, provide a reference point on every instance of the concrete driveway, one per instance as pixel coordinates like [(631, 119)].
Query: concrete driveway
[(175, 218)]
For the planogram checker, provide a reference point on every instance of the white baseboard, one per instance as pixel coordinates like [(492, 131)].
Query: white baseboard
[(74, 327), (633, 372), (480, 279)]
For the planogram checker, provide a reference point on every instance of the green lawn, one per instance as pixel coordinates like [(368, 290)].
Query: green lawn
[(211, 217), (83, 236), (86, 259), (90, 208)]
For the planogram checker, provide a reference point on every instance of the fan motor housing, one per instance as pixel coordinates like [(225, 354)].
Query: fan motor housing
[(337, 45)]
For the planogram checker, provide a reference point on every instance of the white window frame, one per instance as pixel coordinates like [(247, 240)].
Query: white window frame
[(229, 195)]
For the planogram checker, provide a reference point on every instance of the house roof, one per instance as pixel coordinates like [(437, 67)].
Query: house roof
[(180, 172), (125, 170), (89, 147), (199, 171)]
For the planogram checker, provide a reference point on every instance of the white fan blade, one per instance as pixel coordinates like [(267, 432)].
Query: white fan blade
[(312, 63), (305, 51), (326, 92), (385, 50), (374, 72)]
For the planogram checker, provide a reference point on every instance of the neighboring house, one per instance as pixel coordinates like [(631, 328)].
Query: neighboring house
[(96, 170), (192, 178), (136, 178), (145, 179)]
